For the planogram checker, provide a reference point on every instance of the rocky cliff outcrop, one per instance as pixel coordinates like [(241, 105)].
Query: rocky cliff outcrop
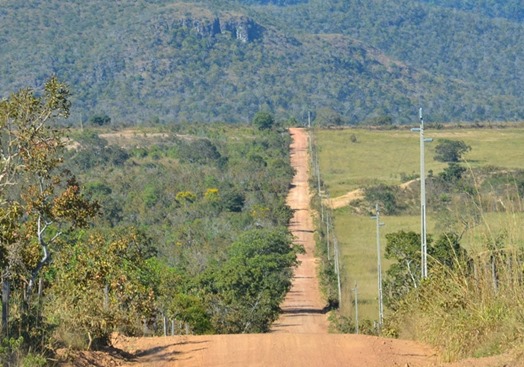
[(204, 27), (273, 2), (239, 26)]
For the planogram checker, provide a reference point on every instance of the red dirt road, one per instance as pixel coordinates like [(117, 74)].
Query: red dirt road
[(303, 306), (299, 337), (287, 349)]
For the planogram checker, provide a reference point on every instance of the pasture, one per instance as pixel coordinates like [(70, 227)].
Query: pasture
[(354, 158), (385, 155)]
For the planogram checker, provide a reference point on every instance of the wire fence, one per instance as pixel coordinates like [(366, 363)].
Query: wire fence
[(327, 239)]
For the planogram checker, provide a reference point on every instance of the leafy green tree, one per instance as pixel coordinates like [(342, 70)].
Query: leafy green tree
[(94, 151), (102, 284), (328, 117), (247, 289), (178, 298), (232, 200), (111, 209), (39, 203), (448, 252), (405, 275), (450, 150), (100, 120), (384, 195), (452, 173), (263, 120), (200, 150), (379, 121)]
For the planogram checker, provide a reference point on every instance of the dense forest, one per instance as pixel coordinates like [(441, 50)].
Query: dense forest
[(180, 229), (345, 61)]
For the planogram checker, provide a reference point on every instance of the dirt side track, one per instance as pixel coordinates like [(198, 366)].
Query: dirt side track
[(299, 337)]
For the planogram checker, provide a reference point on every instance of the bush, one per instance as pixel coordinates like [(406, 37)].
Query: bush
[(379, 121), (201, 151), (340, 323), (246, 290), (100, 119), (452, 173), (263, 120), (384, 195), (233, 201), (450, 150)]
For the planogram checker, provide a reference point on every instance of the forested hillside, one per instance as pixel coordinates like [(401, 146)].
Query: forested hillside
[(345, 61)]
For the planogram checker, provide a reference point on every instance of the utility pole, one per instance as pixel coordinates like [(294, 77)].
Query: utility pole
[(320, 196), (356, 307), (423, 235), (319, 187), (379, 270), (327, 232), (337, 270)]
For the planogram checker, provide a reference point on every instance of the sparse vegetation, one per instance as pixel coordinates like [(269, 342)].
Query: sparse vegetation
[(465, 307)]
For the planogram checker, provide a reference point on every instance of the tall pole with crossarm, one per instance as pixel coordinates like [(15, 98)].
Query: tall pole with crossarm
[(423, 235), (379, 270)]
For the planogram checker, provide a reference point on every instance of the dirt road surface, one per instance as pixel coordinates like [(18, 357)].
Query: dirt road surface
[(299, 337), (303, 308)]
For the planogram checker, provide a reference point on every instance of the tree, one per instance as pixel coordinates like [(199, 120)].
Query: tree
[(178, 298), (450, 150), (405, 275), (200, 151), (104, 282), (383, 194), (381, 120), (263, 120), (452, 173), (100, 119), (448, 252), (39, 203), (94, 151), (328, 117), (246, 290), (232, 200)]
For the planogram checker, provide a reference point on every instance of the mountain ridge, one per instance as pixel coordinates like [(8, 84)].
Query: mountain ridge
[(226, 60)]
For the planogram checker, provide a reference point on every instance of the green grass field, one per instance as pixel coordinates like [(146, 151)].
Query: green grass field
[(358, 249), (382, 156)]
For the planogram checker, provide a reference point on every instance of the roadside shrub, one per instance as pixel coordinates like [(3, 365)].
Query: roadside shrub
[(470, 304), (341, 324)]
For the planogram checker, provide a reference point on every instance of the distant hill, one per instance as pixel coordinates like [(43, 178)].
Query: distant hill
[(345, 61)]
